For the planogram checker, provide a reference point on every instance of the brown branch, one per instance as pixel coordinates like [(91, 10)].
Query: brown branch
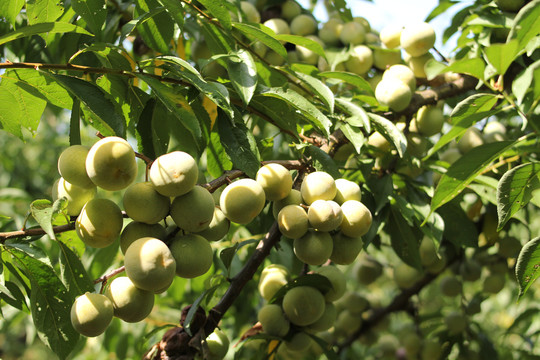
[(34, 232)]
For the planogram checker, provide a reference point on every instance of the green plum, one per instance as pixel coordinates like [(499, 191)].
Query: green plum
[(144, 204), (100, 222), (91, 314)]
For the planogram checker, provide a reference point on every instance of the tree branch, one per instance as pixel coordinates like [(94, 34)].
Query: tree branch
[(34, 232)]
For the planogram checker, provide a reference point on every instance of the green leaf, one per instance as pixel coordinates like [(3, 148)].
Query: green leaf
[(474, 67), (441, 8), (390, 132), (279, 111), (344, 12), (75, 123), (97, 103), (50, 304), (463, 235), (19, 107), (217, 160), (527, 266), (469, 111), (358, 116), (500, 56), (239, 147), (175, 10), (262, 34), (322, 91), (522, 82), (303, 42), (303, 105), (156, 31), (465, 169), (44, 212), (243, 74), (10, 9), (326, 347), (515, 190), (354, 135), (405, 238), (219, 11), (72, 272), (350, 78), (526, 24), (42, 11), (93, 12), (216, 38), (40, 29), (322, 161), (152, 132), (110, 56), (176, 103)]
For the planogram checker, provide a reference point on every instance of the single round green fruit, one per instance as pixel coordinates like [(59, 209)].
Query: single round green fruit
[(357, 218), (110, 163), (218, 344), (277, 25), (325, 215), (251, 12), (368, 270), (91, 314), (318, 185), (336, 278), (193, 255), (360, 60), (450, 286), (432, 349), (403, 73), (326, 321), (352, 33), (345, 249), (509, 247), (300, 342), (390, 35), (273, 320), (306, 55), (218, 228), (150, 264), (429, 120), (314, 248), (303, 25), (76, 196), (353, 302), (100, 222), (290, 9), (136, 230), (174, 174), (72, 166), (384, 58), (470, 139), (428, 252), (456, 322), (493, 283), (393, 93), (130, 303), (144, 204), (194, 210), (450, 155), (293, 221), (416, 39), (294, 198), (418, 63), (273, 277), (494, 131), (330, 31), (303, 305), (406, 276), (242, 201), (364, 22), (510, 5), (470, 270), (276, 180), (347, 323), (347, 190)]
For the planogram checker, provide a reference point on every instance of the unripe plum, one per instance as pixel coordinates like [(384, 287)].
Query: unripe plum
[(510, 5), (72, 166), (347, 323), (130, 303), (354, 302), (303, 25), (218, 344), (470, 139), (303, 305), (393, 93), (450, 155), (494, 131), (318, 185), (174, 174), (417, 38), (450, 286), (345, 249), (273, 320), (360, 60), (144, 204), (470, 270), (325, 215), (418, 63), (276, 180), (352, 33), (347, 190), (294, 198), (76, 196), (336, 278), (384, 58), (218, 228), (194, 210), (150, 264), (277, 25), (403, 73), (273, 277), (290, 9), (242, 200), (456, 322), (428, 252), (390, 35), (293, 221), (368, 270), (330, 31), (364, 22), (306, 55), (252, 14), (300, 342), (432, 349), (91, 314), (193, 255), (493, 283), (110, 163), (357, 218), (406, 276), (326, 321), (136, 230), (429, 120), (314, 248), (99, 223)]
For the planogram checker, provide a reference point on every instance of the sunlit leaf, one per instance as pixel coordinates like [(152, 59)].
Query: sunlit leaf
[(93, 12), (44, 28), (528, 266)]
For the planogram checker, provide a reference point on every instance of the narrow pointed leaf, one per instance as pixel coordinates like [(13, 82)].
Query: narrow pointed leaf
[(405, 238), (93, 12), (528, 266), (390, 132), (262, 34), (322, 91), (175, 10), (358, 116), (243, 74), (219, 11), (42, 29), (157, 31), (41, 11), (350, 78), (72, 272), (526, 24), (10, 9)]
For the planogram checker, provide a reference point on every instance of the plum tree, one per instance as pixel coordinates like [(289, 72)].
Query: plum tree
[(303, 25), (193, 211), (403, 73), (273, 278), (110, 163), (352, 33), (193, 255), (390, 35), (149, 264), (429, 120), (303, 305), (72, 166), (174, 174), (144, 204), (360, 60), (130, 303), (91, 314), (100, 222)]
